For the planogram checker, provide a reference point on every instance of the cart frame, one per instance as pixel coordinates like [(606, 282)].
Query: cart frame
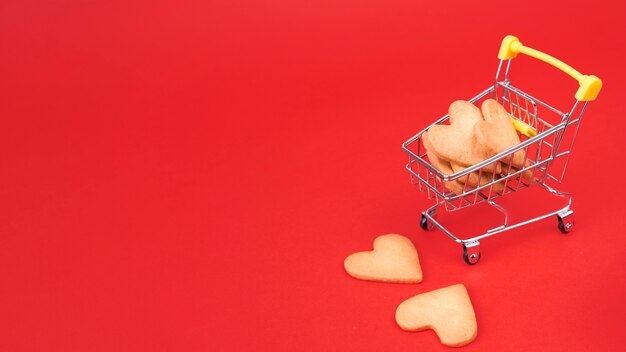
[(547, 136)]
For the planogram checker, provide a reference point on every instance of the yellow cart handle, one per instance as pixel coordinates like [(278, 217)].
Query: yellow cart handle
[(590, 85)]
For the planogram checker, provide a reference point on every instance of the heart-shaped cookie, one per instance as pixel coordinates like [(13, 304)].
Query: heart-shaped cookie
[(474, 181), (457, 141), (445, 167), (394, 259), (497, 133), (448, 311)]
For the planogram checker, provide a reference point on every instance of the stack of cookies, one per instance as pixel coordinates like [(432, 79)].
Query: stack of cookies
[(472, 136)]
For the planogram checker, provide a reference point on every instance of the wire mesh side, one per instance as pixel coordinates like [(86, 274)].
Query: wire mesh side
[(536, 113), (539, 154)]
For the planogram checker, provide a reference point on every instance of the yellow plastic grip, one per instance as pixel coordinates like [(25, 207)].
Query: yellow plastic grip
[(590, 85), (523, 128)]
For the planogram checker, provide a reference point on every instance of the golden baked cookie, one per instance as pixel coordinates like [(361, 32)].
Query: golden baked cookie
[(394, 259), (457, 142), (448, 311)]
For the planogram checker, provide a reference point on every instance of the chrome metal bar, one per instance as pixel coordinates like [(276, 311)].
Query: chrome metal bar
[(503, 211), (438, 225), (505, 226), (507, 85), (511, 227), (503, 154), (559, 193), (571, 144), (532, 123), (506, 73), (526, 222)]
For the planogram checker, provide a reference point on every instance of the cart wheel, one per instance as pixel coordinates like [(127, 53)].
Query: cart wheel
[(471, 254), (565, 226), (566, 223), (425, 224)]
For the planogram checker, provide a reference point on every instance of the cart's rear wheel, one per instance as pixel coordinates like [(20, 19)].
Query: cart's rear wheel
[(566, 223), (471, 253), (565, 227), (425, 224)]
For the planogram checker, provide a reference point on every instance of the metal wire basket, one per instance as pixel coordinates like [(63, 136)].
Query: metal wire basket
[(547, 136)]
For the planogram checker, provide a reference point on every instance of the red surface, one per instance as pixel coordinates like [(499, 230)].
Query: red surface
[(189, 176)]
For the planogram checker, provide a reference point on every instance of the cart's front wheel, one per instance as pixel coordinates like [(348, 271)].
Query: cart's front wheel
[(425, 224), (471, 253), (566, 222), (565, 227)]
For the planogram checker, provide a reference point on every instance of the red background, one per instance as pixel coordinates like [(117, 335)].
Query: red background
[(190, 175)]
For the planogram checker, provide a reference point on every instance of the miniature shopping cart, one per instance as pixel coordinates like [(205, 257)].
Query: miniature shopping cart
[(546, 133)]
